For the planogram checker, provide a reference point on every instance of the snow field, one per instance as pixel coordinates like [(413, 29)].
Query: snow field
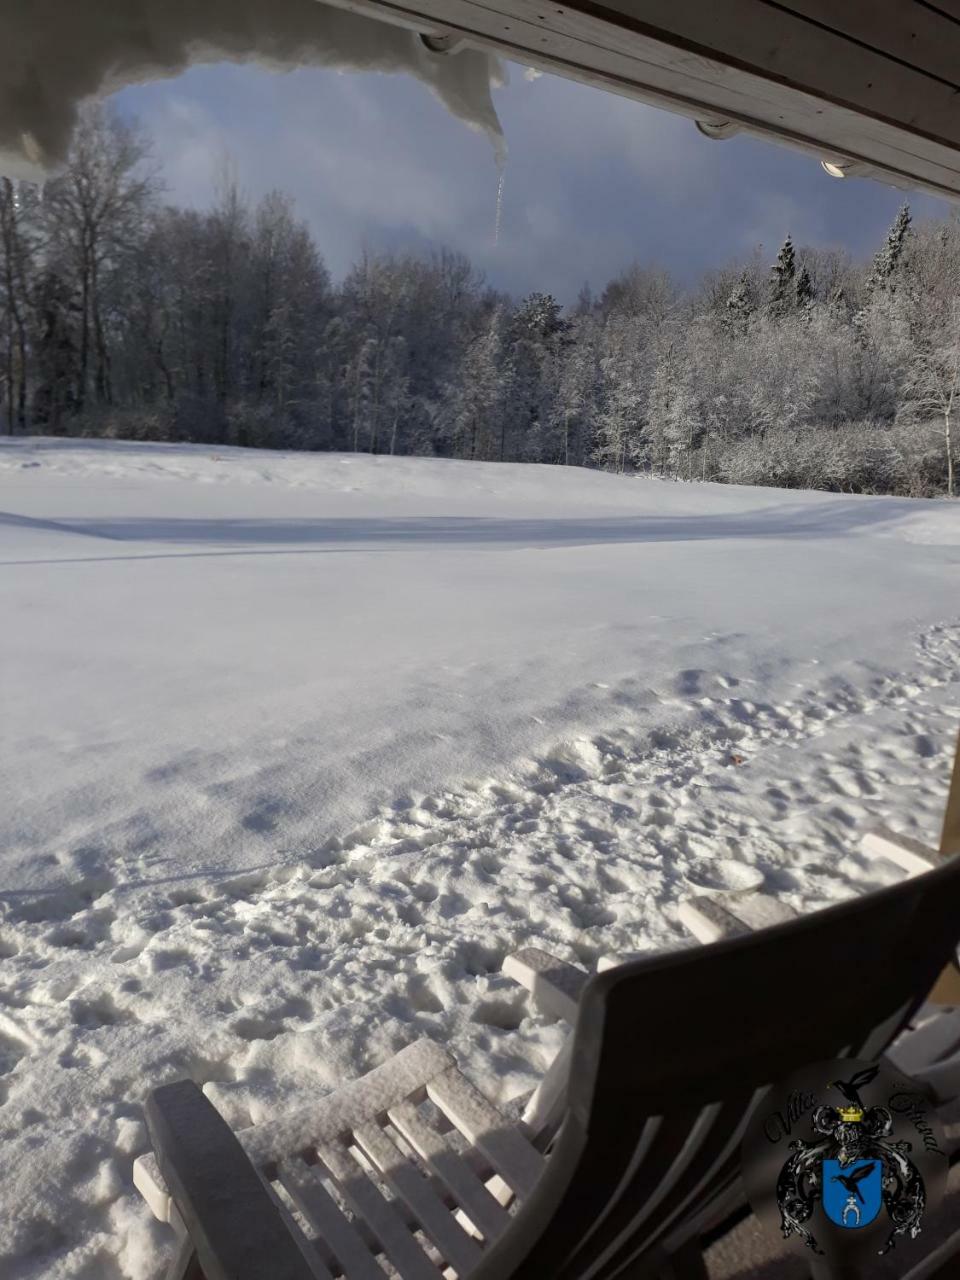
[(725, 756)]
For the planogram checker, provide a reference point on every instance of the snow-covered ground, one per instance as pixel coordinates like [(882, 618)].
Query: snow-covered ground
[(295, 749)]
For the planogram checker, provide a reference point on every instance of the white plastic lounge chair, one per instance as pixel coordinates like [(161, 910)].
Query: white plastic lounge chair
[(410, 1172)]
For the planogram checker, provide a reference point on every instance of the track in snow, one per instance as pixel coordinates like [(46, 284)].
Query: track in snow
[(278, 983)]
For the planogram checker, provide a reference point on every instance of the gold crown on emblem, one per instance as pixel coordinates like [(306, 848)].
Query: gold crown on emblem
[(850, 1115)]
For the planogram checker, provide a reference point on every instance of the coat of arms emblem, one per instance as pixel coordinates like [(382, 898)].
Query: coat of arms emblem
[(844, 1159), (853, 1168)]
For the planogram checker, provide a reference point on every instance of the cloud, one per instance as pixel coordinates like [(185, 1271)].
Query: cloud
[(54, 53), (370, 161)]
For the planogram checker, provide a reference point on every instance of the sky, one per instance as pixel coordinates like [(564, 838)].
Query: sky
[(593, 181)]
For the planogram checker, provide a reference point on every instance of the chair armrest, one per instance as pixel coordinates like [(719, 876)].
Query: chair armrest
[(235, 1224), (711, 917), (708, 920), (554, 984), (936, 1039), (904, 852), (942, 1079)]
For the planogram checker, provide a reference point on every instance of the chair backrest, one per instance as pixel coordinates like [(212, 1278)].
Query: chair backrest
[(670, 1053)]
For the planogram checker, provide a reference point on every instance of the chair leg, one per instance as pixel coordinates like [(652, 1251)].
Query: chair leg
[(827, 1269), (686, 1264), (186, 1265)]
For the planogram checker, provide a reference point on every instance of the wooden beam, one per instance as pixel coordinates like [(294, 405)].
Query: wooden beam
[(949, 7), (768, 67), (761, 39), (950, 836), (947, 988), (912, 34)]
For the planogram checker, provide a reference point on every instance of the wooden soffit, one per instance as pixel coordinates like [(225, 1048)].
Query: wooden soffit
[(870, 86)]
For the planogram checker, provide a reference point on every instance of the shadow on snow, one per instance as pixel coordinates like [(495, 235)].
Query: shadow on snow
[(774, 522)]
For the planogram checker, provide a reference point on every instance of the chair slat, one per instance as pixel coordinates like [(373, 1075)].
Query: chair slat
[(355, 1103), (710, 918), (464, 1185), (319, 1264), (517, 1162), (305, 1188), (662, 1151), (707, 1163), (760, 910), (436, 1219), (380, 1214)]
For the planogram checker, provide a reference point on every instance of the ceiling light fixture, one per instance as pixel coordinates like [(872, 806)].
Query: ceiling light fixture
[(717, 129), (443, 42)]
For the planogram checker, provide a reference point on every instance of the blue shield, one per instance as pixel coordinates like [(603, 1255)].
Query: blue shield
[(851, 1192)]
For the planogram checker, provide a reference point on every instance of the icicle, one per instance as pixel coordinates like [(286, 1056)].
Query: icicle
[(501, 171)]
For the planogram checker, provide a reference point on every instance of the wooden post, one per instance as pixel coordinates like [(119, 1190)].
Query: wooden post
[(950, 838), (947, 987)]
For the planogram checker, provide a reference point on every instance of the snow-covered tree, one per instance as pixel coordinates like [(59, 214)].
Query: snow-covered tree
[(887, 262), (933, 388), (803, 290), (92, 214), (478, 394), (624, 388), (674, 425), (782, 275), (538, 317), (362, 377), (121, 314), (740, 305), (577, 377), (18, 246)]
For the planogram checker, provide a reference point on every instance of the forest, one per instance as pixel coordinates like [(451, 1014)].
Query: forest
[(122, 316)]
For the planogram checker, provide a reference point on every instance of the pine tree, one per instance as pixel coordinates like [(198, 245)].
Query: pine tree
[(783, 273), (803, 290), (888, 261), (539, 316)]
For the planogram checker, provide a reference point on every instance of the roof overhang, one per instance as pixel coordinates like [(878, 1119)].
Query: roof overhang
[(870, 86)]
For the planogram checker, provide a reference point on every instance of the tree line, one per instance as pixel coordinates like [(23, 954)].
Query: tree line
[(123, 316)]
